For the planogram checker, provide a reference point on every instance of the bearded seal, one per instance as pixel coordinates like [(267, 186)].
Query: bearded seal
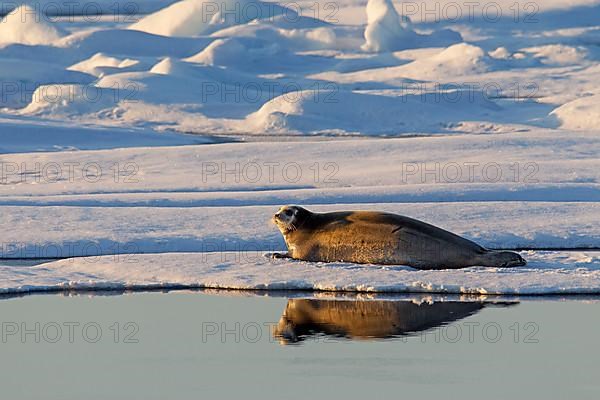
[(370, 319), (369, 237)]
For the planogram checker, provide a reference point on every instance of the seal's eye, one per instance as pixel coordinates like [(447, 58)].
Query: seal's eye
[(288, 212)]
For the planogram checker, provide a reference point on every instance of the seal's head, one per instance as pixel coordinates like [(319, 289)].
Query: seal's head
[(285, 331), (290, 218)]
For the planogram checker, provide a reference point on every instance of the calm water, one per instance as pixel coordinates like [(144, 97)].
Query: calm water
[(234, 345)]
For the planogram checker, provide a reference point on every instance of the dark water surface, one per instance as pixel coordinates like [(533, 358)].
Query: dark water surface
[(240, 345)]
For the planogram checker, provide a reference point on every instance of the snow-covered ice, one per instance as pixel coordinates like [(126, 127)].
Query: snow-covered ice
[(547, 273), (91, 211)]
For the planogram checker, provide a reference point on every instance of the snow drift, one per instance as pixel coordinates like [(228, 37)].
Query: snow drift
[(457, 60), (213, 64), (202, 17), (100, 63), (70, 100), (580, 114), (25, 25), (388, 31), (385, 29), (332, 111)]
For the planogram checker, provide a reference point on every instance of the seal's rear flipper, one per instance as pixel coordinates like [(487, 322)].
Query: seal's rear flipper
[(277, 255), (502, 304), (502, 259)]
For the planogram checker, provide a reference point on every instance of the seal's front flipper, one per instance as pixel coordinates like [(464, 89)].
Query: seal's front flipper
[(275, 256)]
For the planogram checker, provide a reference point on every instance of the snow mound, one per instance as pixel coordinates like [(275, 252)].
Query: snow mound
[(260, 48), (69, 100), (131, 43), (457, 60), (173, 70), (501, 53), (170, 66), (220, 52), (25, 25), (388, 31), (580, 114), (326, 37), (21, 77), (557, 54), (385, 29), (463, 57), (201, 17), (283, 28), (97, 64), (253, 55), (325, 111)]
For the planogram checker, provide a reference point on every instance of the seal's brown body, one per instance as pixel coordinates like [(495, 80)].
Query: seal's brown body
[(382, 238)]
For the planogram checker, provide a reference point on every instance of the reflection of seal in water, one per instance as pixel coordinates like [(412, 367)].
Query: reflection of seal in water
[(367, 237), (367, 319)]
